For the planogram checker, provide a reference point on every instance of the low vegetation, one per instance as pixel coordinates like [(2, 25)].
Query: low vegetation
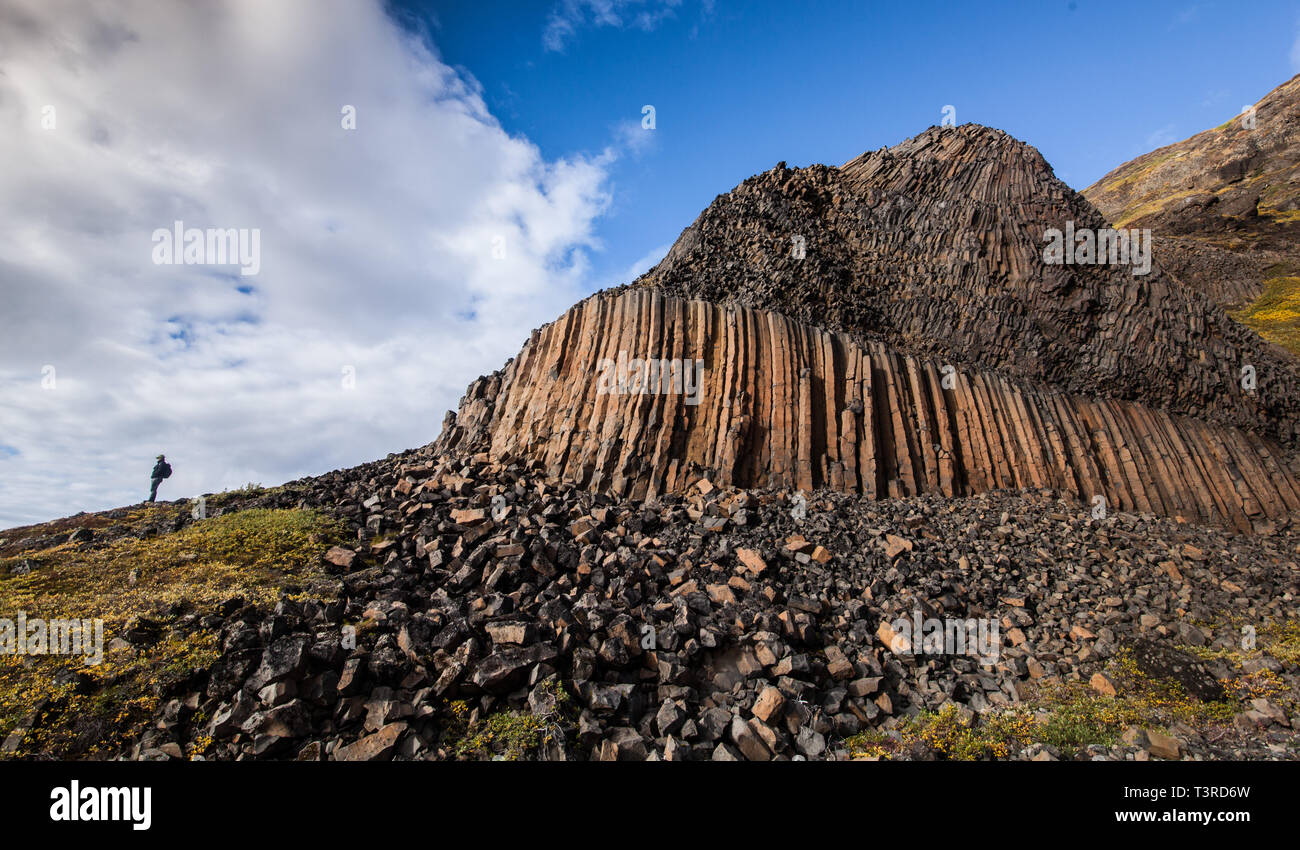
[(1275, 315), (1068, 716), (508, 735), (146, 586)]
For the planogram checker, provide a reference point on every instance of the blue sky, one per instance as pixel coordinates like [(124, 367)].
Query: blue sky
[(740, 86)]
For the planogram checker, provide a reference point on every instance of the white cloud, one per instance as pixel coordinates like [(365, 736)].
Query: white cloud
[(376, 244), (568, 16)]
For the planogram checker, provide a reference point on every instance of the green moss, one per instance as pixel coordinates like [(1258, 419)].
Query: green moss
[(1136, 173), (1278, 640), (1280, 216), (508, 735), (248, 491), (996, 736), (1148, 205), (871, 744), (1282, 268)]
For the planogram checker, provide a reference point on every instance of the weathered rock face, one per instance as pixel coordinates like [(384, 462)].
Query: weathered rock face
[(781, 404), (1222, 204)]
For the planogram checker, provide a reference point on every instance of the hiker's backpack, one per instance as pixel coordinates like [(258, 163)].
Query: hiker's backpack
[(167, 470)]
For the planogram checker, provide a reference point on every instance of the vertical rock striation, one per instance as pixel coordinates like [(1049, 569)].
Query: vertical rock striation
[(784, 404)]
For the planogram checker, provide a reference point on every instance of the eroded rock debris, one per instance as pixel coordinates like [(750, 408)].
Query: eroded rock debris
[(710, 625)]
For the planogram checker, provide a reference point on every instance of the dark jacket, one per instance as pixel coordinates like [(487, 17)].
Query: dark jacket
[(161, 469)]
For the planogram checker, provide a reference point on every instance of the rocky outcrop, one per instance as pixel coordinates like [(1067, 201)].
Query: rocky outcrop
[(778, 403), (892, 328), (603, 560)]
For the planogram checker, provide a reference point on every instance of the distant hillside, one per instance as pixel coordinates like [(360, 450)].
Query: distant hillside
[(1224, 207)]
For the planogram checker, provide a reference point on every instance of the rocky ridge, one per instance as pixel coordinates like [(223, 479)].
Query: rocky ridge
[(890, 328), (935, 248)]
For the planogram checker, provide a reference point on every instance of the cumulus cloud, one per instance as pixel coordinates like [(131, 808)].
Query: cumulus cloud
[(398, 260)]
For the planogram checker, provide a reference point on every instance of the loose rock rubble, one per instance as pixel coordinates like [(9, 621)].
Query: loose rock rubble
[(574, 574), (710, 625)]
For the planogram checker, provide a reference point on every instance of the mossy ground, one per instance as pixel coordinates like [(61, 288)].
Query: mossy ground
[(1280, 641), (1149, 205), (88, 710), (1135, 173), (1067, 715), (248, 491)]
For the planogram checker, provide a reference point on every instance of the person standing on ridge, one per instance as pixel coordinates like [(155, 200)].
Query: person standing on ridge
[(162, 469)]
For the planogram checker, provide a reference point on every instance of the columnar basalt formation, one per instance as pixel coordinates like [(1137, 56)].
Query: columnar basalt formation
[(935, 247), (783, 404), (891, 328)]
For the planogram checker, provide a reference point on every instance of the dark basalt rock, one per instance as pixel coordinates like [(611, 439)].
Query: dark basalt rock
[(1162, 661)]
